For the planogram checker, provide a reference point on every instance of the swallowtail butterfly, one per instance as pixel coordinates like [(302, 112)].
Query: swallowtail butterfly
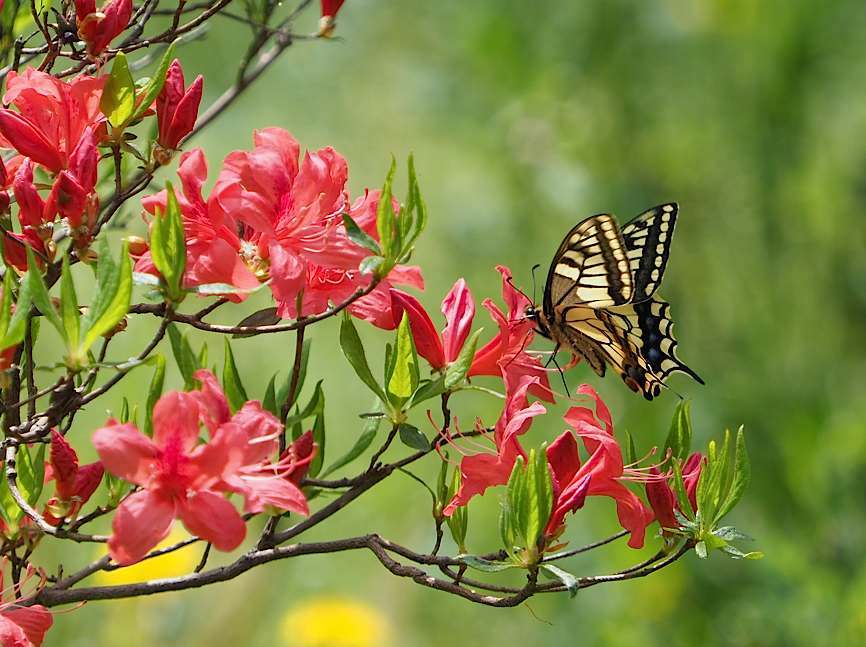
[(600, 298)]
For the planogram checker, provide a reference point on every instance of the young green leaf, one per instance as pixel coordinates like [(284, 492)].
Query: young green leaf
[(353, 349), (168, 246), (39, 293), (150, 91), (412, 437), (118, 96), (31, 472), (186, 360), (113, 295), (741, 477), (69, 305), (679, 438), (459, 519), (16, 324), (486, 565), (569, 581), (404, 379), (157, 383), (269, 402), (385, 219), (232, 384), (365, 439), (319, 439), (428, 389), (456, 372), (359, 236)]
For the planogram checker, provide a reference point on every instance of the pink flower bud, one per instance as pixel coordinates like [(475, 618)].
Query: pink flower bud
[(426, 337), (459, 310), (177, 107), (99, 28)]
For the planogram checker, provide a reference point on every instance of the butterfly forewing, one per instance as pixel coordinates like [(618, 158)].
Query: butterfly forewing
[(648, 240), (590, 267)]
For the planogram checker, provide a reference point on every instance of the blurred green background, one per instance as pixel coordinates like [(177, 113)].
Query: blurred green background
[(525, 117)]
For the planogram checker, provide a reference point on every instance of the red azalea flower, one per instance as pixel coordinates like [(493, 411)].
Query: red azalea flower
[(661, 496), (183, 478), (505, 355), (22, 626), (73, 195), (34, 230), (605, 469), (459, 310), (481, 471), (177, 108), (52, 116), (299, 455), (290, 225), (213, 247), (74, 485), (99, 28)]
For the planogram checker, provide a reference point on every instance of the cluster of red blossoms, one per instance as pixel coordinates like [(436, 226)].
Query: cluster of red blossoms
[(603, 473)]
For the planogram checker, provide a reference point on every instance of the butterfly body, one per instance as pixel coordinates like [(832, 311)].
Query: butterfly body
[(599, 298)]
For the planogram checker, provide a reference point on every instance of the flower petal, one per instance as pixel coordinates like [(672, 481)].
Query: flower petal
[(126, 452), (142, 520), (459, 310), (210, 516)]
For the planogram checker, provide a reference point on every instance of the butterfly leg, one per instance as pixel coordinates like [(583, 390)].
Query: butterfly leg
[(559, 368), (552, 359)]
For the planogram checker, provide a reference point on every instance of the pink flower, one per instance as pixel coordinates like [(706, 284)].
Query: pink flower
[(99, 28), (52, 116), (73, 194), (269, 218), (22, 626), (481, 471), (605, 467), (74, 485), (459, 310), (31, 212), (177, 107), (661, 496), (299, 455), (214, 253), (505, 355), (183, 478)]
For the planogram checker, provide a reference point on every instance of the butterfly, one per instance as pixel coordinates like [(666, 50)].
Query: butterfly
[(600, 298)]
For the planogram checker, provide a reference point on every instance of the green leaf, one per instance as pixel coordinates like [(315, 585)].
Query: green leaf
[(6, 303), (302, 370), (370, 264), (415, 213), (385, 220), (457, 370), (263, 317), (314, 407), (186, 360), (150, 91), (701, 550), (680, 489), (353, 349), (741, 477), (232, 384), (269, 402), (319, 439), (168, 246), (364, 440), (69, 305), (118, 96), (359, 236), (31, 472), (412, 437), (17, 323), (485, 565), (729, 533), (679, 438), (154, 391), (538, 497), (113, 295), (404, 378), (40, 296), (8, 507), (428, 389), (630, 451), (569, 581)]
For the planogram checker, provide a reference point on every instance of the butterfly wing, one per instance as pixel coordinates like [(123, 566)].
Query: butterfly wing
[(590, 268), (647, 326), (648, 240), (619, 344)]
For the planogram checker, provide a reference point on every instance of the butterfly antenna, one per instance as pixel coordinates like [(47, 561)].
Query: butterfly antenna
[(511, 283), (534, 267)]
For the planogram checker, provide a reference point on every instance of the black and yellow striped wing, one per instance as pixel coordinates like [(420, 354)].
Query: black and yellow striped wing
[(648, 241), (590, 268)]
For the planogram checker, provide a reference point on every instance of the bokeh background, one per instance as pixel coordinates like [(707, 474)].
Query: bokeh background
[(525, 117)]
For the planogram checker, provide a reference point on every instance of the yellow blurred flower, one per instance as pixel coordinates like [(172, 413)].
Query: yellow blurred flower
[(174, 564), (334, 622)]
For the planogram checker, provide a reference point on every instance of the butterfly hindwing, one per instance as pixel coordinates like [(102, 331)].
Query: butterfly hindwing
[(649, 327), (648, 240), (590, 267)]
